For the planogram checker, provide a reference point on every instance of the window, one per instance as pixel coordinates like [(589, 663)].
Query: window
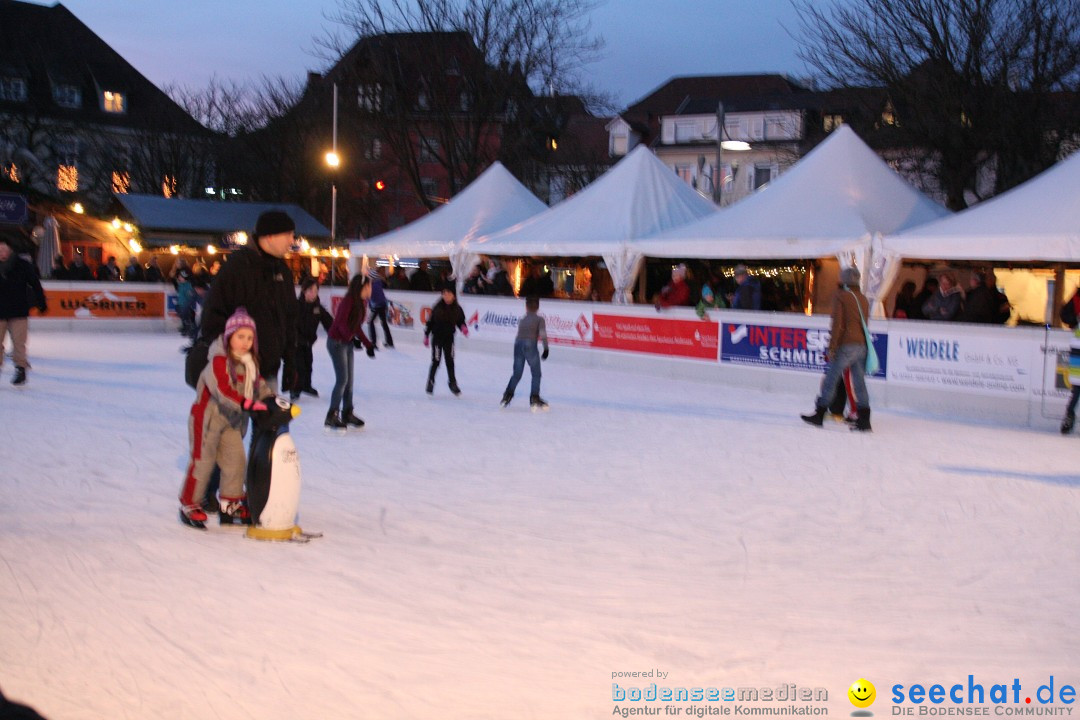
[(762, 175), (373, 149), (11, 172), (465, 101), (552, 143), (831, 122), (422, 102), (687, 131), (68, 96), (733, 129), (430, 186), (429, 150), (776, 128), (121, 182), (168, 186), (12, 89), (369, 97), (67, 178), (685, 173), (113, 102), (618, 144)]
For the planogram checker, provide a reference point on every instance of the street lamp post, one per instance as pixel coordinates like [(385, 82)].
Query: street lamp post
[(718, 173), (721, 145), (334, 161)]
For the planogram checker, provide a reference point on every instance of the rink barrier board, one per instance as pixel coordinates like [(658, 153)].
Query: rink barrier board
[(1009, 375)]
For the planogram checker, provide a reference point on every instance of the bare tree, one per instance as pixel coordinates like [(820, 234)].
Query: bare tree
[(969, 81), (454, 82)]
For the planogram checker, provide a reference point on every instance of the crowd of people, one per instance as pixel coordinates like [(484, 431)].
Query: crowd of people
[(942, 299)]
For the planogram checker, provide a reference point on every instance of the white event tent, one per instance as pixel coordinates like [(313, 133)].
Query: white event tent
[(837, 201), (491, 202), (1039, 220), (638, 197)]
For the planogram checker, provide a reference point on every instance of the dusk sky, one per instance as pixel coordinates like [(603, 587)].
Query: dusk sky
[(647, 41)]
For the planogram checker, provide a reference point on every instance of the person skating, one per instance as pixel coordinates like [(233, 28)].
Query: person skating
[(446, 317), (310, 315), (229, 387), (19, 289), (847, 349), (532, 329), (347, 333), (379, 305), (1070, 315)]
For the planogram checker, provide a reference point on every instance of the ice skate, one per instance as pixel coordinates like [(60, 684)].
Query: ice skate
[(334, 423), (20, 377), (537, 403), (1068, 423), (506, 398), (352, 422)]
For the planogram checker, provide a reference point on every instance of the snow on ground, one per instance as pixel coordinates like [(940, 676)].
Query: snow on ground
[(487, 563)]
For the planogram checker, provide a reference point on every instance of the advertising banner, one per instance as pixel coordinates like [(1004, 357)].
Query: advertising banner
[(1053, 356), (695, 339), (104, 304), (567, 324), (959, 362), (786, 347)]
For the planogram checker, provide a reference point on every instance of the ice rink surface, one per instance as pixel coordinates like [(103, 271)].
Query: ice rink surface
[(487, 563)]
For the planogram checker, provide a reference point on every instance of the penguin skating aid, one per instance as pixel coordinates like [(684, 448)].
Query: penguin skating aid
[(273, 476)]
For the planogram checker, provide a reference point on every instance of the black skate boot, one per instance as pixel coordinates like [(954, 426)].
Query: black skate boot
[(818, 418), (862, 422), (333, 421), (455, 389), (537, 403), (1068, 423), (430, 387), (351, 420), (507, 397), (20, 376), (234, 512)]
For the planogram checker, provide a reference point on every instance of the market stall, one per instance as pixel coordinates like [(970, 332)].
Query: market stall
[(826, 211), (590, 231)]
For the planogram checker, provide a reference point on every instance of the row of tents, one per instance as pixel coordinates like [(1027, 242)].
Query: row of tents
[(840, 201)]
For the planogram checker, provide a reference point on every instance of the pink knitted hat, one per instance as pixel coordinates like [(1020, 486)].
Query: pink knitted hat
[(240, 319)]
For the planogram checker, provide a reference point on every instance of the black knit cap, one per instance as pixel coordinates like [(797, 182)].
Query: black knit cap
[(273, 222)]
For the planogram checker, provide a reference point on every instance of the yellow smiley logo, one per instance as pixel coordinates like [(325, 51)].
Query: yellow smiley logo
[(862, 693)]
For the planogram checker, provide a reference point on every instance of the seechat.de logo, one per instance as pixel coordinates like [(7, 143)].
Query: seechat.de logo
[(862, 693)]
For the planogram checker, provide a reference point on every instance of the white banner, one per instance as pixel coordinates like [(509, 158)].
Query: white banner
[(960, 362), (497, 319)]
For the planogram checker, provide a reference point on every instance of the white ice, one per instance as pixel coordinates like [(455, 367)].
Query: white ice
[(487, 563)]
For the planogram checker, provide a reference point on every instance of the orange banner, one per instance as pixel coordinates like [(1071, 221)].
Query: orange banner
[(104, 304)]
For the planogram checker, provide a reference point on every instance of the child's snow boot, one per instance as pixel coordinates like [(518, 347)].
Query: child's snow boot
[(234, 511), (193, 516)]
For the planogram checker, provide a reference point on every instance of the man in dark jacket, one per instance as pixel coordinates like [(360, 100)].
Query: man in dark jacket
[(79, 270), (748, 293), (257, 278), (134, 271), (19, 287)]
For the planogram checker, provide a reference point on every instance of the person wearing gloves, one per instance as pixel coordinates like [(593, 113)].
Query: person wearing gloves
[(229, 387), (19, 288), (345, 334), (847, 349), (531, 330), (256, 277), (446, 317)]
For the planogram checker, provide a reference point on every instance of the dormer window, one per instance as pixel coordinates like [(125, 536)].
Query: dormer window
[(12, 89), (68, 96), (113, 102), (369, 97)]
